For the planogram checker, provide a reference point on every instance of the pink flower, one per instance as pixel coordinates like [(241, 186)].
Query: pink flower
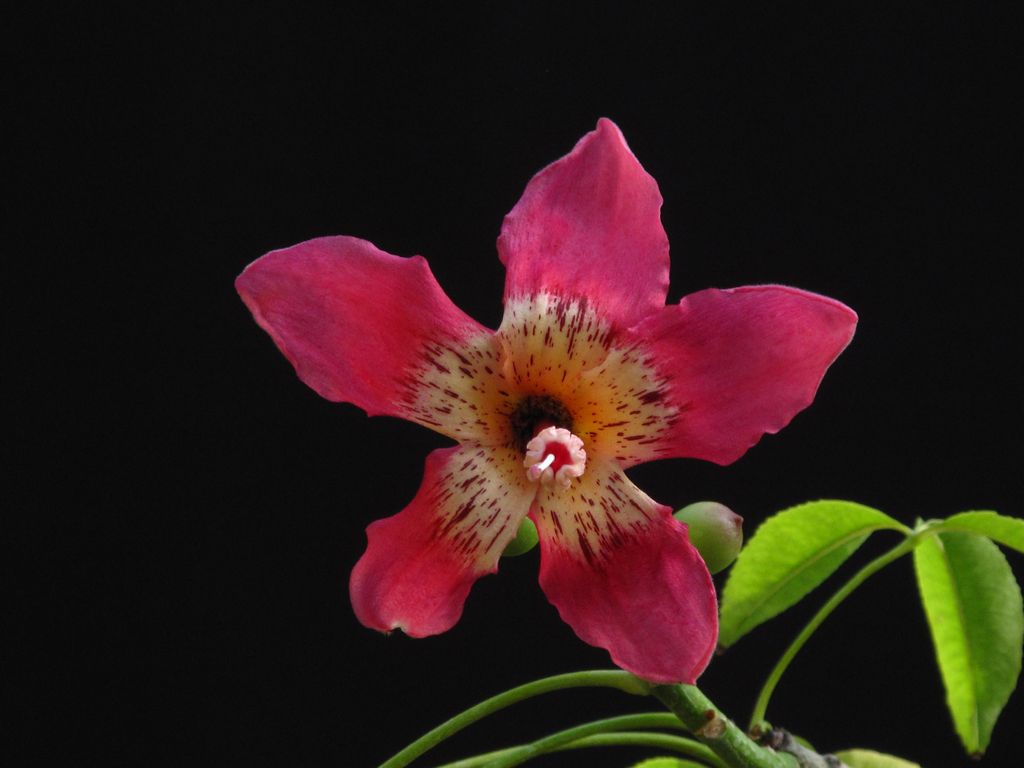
[(589, 374)]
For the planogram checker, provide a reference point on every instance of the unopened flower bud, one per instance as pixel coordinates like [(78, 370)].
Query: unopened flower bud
[(715, 530), (525, 540)]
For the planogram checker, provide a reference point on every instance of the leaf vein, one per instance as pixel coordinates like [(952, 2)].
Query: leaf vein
[(972, 671), (805, 564)]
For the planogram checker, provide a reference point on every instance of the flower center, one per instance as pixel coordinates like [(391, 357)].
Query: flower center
[(555, 455), (533, 413)]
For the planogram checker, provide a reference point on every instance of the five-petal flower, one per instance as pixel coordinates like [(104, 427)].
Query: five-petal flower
[(588, 374)]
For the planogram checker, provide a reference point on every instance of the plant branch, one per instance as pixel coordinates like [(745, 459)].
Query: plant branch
[(783, 741), (715, 730)]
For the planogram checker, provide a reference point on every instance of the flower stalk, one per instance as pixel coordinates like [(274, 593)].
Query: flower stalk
[(623, 681), (660, 741), (618, 730), (720, 742)]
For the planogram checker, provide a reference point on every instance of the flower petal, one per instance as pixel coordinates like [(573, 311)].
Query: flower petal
[(734, 365), (550, 341), (420, 563), (618, 405), (376, 330), (622, 573), (589, 225)]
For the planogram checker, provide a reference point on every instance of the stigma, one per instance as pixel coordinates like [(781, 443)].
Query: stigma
[(555, 455)]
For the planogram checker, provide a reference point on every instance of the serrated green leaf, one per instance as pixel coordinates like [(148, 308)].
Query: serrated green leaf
[(667, 762), (1008, 531), (790, 554), (975, 613), (867, 758)]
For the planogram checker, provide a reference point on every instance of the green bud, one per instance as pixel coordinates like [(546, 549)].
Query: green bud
[(715, 530), (525, 540)]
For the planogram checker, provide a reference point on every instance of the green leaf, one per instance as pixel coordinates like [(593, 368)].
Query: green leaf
[(1008, 531), (667, 762), (976, 617), (788, 556), (867, 758)]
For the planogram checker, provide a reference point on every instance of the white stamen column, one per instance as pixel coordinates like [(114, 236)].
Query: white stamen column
[(555, 455)]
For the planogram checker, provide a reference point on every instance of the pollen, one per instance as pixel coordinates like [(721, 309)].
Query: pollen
[(555, 455)]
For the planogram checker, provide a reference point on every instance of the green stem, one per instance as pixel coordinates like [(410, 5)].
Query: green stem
[(624, 722), (481, 760), (705, 721), (761, 707), (676, 744), (589, 679)]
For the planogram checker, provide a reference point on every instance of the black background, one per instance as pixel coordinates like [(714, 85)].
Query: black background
[(194, 510)]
